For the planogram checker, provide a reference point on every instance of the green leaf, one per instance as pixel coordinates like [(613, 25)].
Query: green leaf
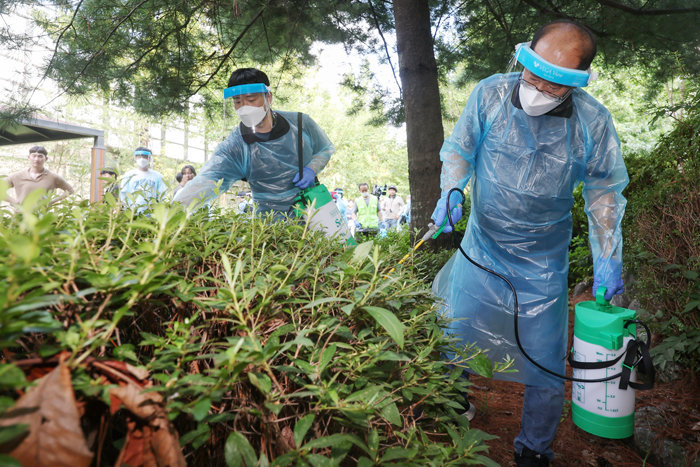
[(389, 322), (361, 252), (398, 452), (336, 439), (481, 365), (302, 427), (260, 381), (198, 437), (238, 451), (317, 460), (11, 376), (7, 461), (201, 409), (391, 413), (326, 357), (368, 395), (8, 433)]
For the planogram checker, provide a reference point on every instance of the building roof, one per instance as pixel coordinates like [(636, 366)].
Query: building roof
[(38, 130)]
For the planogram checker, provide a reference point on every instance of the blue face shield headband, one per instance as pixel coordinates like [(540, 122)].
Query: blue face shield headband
[(551, 72), (245, 89), (141, 152)]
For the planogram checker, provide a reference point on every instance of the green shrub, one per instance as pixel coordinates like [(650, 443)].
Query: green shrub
[(266, 341), (424, 262), (662, 245)]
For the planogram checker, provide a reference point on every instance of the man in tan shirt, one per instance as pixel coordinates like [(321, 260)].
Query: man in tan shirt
[(37, 176), (393, 208)]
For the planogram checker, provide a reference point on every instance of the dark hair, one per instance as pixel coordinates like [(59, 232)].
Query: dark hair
[(362, 184), (194, 172), (141, 148), (248, 76), (585, 34), (39, 149), (178, 177)]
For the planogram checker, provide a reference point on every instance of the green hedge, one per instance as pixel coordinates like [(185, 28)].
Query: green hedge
[(267, 342), (662, 233)]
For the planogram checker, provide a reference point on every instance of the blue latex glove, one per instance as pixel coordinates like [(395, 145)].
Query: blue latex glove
[(441, 210), (607, 272), (307, 179)]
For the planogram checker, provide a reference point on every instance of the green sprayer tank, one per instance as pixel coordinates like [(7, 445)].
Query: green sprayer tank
[(600, 335)]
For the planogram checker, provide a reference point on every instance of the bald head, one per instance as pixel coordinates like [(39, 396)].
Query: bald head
[(565, 43)]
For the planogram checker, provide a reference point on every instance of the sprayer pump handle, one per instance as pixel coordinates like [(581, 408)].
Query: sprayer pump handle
[(600, 296)]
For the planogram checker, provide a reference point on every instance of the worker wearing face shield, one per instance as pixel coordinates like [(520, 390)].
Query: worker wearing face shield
[(142, 186), (524, 141), (262, 149)]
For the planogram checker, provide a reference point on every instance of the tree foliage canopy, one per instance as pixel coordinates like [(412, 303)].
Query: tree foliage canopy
[(155, 55)]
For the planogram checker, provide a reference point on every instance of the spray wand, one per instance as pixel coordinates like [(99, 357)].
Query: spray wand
[(433, 232)]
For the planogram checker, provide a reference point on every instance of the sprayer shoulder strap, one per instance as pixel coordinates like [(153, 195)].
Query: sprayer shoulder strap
[(593, 365), (644, 366)]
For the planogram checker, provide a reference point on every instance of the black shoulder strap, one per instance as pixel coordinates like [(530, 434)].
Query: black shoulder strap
[(300, 145), (636, 355)]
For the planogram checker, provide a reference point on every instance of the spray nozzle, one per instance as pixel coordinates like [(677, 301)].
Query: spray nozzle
[(433, 231)]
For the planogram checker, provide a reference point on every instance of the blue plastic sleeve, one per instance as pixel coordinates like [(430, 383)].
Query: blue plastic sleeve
[(549, 71), (244, 89)]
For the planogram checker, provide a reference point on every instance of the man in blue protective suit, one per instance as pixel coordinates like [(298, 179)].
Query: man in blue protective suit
[(262, 150), (142, 186), (525, 141)]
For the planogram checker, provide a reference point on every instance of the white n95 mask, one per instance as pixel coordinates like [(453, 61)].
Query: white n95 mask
[(142, 162), (251, 115), (534, 102)]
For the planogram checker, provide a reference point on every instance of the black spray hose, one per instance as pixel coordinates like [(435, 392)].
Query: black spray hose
[(515, 307)]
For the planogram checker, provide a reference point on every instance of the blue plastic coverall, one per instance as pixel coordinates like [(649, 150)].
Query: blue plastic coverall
[(523, 171), (139, 187), (268, 165)]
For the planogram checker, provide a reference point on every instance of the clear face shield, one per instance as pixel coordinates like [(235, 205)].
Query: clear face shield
[(142, 158), (250, 102), (544, 85)]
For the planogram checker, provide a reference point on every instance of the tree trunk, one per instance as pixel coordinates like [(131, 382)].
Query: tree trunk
[(421, 96)]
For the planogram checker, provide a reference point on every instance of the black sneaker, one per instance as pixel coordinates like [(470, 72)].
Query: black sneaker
[(530, 458)]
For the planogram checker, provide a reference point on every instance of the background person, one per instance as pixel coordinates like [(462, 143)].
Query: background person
[(111, 185), (186, 174), (142, 186), (520, 223), (392, 208), (406, 215), (340, 202), (35, 177), (367, 210), (262, 149)]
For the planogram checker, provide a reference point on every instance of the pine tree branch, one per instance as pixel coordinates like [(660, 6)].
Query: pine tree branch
[(230, 50), (99, 50), (643, 12), (386, 47), (55, 50)]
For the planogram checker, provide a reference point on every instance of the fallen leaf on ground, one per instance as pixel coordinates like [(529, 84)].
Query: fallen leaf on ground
[(151, 439), (55, 437)]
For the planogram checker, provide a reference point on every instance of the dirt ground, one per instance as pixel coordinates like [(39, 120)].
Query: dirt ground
[(498, 413)]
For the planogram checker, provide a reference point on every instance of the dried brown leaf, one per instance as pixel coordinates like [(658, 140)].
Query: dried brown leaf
[(153, 439), (55, 437), (140, 374)]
